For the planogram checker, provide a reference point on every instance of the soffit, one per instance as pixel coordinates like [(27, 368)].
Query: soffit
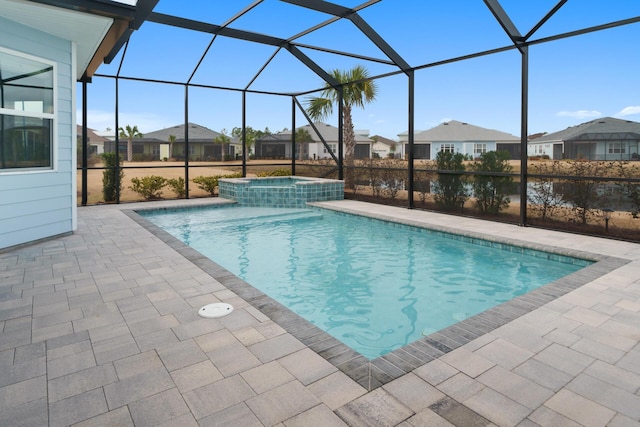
[(86, 30)]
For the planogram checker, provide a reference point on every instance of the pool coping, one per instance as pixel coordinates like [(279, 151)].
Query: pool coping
[(372, 374)]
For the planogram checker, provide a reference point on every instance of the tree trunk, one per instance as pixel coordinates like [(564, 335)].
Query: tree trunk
[(349, 139), (129, 150)]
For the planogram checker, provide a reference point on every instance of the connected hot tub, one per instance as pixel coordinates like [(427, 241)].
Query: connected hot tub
[(280, 192)]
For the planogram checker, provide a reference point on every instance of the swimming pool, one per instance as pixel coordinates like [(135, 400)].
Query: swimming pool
[(374, 285)]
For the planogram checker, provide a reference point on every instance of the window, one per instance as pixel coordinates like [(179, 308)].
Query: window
[(479, 149), (421, 151), (26, 112), (447, 148), (192, 150), (616, 148), (333, 148)]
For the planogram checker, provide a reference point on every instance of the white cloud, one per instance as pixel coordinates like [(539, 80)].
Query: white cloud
[(580, 114), (629, 111)]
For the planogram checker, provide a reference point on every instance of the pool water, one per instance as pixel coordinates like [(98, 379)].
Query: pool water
[(374, 285)]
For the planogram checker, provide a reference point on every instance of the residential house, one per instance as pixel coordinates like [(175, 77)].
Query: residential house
[(204, 144), (384, 148), (45, 48), (459, 137), (279, 145), (606, 138), (95, 142)]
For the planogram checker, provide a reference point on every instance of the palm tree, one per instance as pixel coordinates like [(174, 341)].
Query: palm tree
[(357, 91), (302, 136), (224, 141), (129, 133), (172, 140)]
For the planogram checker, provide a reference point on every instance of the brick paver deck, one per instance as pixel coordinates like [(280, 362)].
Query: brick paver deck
[(100, 327)]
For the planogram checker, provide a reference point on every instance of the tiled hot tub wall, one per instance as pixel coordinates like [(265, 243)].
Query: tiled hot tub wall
[(280, 192)]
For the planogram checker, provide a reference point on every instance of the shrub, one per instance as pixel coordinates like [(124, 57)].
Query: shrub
[(450, 192), (583, 191), (93, 160), (178, 186), (542, 193), (393, 178), (210, 183), (143, 157), (491, 191), (630, 189), (375, 178), (207, 183), (149, 187), (112, 177), (275, 172), (422, 183)]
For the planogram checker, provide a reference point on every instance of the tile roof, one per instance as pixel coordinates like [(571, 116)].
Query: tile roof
[(598, 129), (91, 134), (196, 133), (456, 131), (383, 140), (328, 132)]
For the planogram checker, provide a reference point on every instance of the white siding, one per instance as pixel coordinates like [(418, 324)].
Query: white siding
[(36, 205)]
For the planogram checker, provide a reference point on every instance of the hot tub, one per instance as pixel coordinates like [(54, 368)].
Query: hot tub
[(281, 191)]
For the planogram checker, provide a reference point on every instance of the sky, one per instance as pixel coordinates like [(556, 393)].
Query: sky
[(571, 80)]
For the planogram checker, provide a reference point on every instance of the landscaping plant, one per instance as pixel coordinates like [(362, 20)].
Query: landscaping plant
[(275, 172), (112, 177), (210, 183), (492, 191), (542, 194), (582, 192), (178, 186), (149, 187), (450, 191)]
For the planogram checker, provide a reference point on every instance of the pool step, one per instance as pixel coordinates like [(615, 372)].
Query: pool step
[(245, 221)]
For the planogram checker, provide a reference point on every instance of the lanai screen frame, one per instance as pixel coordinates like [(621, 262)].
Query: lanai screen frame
[(144, 12)]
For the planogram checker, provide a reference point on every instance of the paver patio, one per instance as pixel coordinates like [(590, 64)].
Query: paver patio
[(101, 328)]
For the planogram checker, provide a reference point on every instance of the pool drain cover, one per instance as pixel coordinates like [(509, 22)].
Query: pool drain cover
[(217, 309)]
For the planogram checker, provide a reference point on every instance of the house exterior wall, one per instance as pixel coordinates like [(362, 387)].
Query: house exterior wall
[(589, 150), (38, 204), (541, 149), (465, 148), (317, 150), (381, 149)]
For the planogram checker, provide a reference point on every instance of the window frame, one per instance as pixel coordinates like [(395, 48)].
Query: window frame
[(332, 147), (447, 147), (616, 147), (53, 155), (479, 148)]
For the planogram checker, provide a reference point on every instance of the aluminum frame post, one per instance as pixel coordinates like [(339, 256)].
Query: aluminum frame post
[(85, 155), (186, 140), (244, 133), (410, 136), (524, 131), (293, 136)]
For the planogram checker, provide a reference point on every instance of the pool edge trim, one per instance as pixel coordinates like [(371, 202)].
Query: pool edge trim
[(372, 374)]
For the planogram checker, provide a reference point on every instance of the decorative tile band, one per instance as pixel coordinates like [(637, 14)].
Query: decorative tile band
[(280, 192)]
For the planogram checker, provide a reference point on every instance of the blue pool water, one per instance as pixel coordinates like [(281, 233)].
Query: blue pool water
[(374, 285)]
